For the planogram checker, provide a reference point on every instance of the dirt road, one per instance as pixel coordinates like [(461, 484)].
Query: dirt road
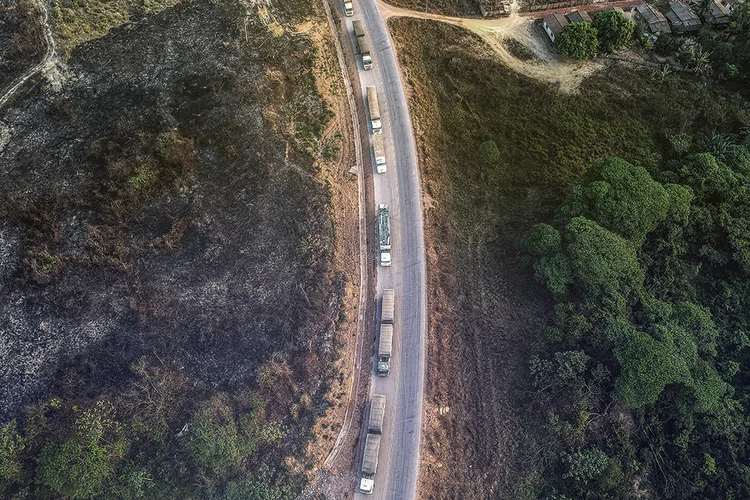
[(48, 55), (545, 65)]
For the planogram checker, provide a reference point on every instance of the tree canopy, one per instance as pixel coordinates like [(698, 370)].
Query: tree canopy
[(650, 273), (613, 29), (577, 41)]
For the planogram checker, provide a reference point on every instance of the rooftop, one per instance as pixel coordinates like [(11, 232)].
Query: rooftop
[(555, 22), (578, 16)]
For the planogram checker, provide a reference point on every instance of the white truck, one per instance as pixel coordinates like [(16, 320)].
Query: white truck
[(385, 343), (348, 8), (384, 235), (372, 106), (378, 149), (369, 464), (363, 44)]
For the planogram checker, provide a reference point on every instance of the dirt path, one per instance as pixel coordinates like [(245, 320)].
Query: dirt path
[(49, 54), (545, 65)]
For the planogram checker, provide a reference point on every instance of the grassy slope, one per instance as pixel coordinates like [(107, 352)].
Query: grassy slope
[(462, 97)]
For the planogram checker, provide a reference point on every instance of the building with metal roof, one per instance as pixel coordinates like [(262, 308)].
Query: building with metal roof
[(715, 14), (654, 20), (578, 16), (553, 24), (682, 18)]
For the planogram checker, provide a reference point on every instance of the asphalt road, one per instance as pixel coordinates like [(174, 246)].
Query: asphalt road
[(400, 189)]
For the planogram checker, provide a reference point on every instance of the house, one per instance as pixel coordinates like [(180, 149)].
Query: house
[(578, 16), (731, 4), (491, 8), (715, 13), (682, 18), (613, 9), (553, 24), (654, 20)]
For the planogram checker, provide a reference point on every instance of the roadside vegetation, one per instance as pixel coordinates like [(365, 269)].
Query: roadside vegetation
[(616, 379)]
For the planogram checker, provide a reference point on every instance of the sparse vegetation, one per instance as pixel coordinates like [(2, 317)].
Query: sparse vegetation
[(557, 439), (78, 21)]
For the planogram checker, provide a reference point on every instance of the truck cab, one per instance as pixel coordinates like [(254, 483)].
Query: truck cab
[(385, 258), (348, 9), (366, 486)]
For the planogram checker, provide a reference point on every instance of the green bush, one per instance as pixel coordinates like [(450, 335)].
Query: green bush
[(577, 41), (613, 29)]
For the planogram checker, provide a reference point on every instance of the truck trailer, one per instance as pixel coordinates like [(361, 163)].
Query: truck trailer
[(388, 307), (369, 463), (348, 8), (385, 342), (378, 148), (384, 235), (377, 414), (385, 347), (363, 44), (372, 106)]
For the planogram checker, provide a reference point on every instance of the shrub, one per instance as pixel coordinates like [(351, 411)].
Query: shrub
[(577, 41), (614, 30)]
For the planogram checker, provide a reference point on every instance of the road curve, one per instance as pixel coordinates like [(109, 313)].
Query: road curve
[(400, 189), (48, 54)]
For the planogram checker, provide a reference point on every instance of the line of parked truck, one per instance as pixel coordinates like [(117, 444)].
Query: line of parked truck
[(377, 404), (374, 428)]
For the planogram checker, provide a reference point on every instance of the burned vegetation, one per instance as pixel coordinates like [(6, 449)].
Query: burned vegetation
[(167, 302)]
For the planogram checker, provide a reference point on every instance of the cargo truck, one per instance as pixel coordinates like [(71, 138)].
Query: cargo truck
[(384, 235), (363, 44), (385, 346), (385, 343), (348, 8), (377, 414), (378, 148), (372, 106), (369, 464)]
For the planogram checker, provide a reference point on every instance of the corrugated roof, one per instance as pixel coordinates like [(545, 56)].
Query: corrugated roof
[(655, 20), (682, 17), (555, 23), (579, 16)]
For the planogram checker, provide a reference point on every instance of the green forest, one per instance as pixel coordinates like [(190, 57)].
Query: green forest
[(643, 373)]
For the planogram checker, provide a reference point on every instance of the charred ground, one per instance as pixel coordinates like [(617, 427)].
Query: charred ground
[(163, 218)]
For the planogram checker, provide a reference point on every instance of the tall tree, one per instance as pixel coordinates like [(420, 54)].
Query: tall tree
[(613, 30), (577, 41)]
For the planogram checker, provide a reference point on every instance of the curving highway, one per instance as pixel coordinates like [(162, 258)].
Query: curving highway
[(400, 189)]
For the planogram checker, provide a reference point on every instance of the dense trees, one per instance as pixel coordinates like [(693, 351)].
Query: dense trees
[(649, 271), (577, 41), (146, 449)]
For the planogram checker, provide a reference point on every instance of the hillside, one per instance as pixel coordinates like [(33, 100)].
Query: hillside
[(172, 292), (500, 152)]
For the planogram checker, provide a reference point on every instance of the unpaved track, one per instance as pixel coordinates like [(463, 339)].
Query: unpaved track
[(546, 67), (48, 55)]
